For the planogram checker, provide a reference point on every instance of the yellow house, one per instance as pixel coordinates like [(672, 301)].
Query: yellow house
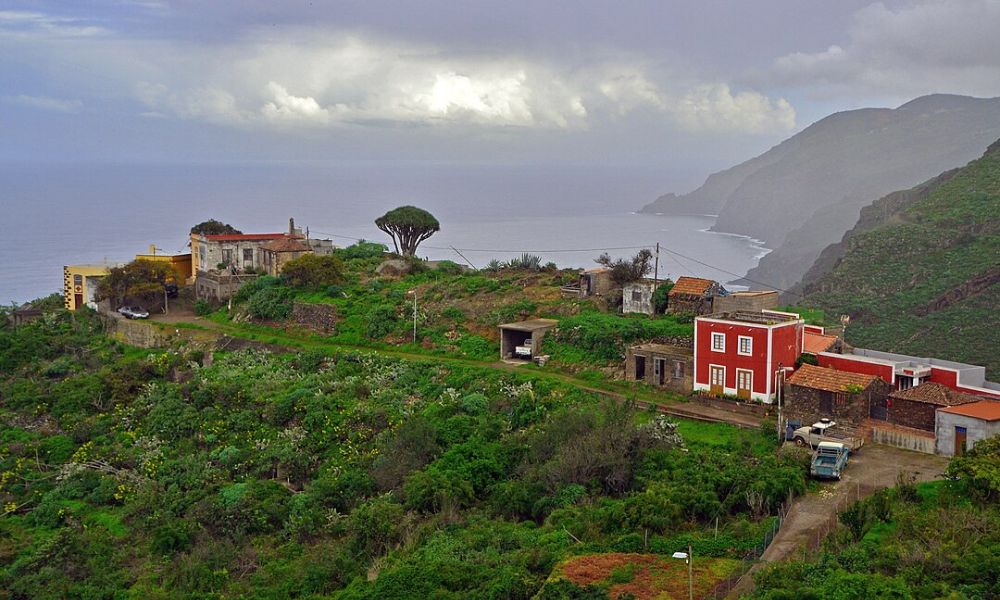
[(80, 285), (180, 263)]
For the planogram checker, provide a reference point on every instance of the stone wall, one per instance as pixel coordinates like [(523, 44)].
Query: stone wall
[(901, 437), (682, 382), (750, 302), (318, 317), (909, 413), (687, 304)]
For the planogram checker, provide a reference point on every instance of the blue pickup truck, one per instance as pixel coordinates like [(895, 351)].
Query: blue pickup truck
[(829, 460)]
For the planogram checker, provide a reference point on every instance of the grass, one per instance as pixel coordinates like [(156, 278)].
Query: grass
[(644, 576)]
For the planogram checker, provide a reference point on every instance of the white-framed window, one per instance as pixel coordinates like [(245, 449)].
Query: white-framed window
[(745, 345), (718, 342)]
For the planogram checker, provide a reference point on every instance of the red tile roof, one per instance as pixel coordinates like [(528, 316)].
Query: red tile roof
[(987, 410), (814, 343), (934, 393), (244, 237), (830, 380), (285, 244), (694, 286)]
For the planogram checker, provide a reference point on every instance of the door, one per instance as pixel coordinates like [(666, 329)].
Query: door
[(879, 409), (659, 369), (744, 383), (960, 436), (716, 379), (640, 368)]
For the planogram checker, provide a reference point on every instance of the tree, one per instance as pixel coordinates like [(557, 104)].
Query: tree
[(214, 227), (628, 270), (408, 226), (143, 279), (313, 271)]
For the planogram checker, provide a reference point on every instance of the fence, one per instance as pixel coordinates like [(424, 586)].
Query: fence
[(726, 587), (823, 528)]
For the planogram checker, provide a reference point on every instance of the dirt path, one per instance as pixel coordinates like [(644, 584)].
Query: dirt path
[(811, 516)]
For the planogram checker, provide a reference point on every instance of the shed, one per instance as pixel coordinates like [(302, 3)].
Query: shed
[(959, 428), (523, 340), (815, 392), (25, 314), (916, 407), (595, 282), (276, 253), (661, 365), (637, 297), (746, 300), (693, 295)]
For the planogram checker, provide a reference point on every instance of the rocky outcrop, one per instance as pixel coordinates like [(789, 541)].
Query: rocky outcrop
[(317, 317)]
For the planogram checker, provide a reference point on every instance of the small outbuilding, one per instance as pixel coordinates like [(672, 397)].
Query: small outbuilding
[(747, 300), (814, 393), (523, 340), (693, 295), (916, 407), (595, 282), (661, 365), (24, 315), (276, 253), (959, 428), (637, 297)]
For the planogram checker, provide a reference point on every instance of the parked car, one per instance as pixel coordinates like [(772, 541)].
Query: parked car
[(829, 460), (133, 312), (825, 431)]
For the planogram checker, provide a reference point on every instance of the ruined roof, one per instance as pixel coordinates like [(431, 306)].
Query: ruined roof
[(663, 349), (814, 343), (693, 286), (286, 244), (531, 325), (244, 237), (934, 393), (830, 380), (747, 293), (986, 410)]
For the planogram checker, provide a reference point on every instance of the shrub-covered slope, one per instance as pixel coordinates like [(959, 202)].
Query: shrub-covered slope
[(921, 273)]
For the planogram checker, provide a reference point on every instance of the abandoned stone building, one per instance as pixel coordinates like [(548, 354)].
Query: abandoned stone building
[(813, 393), (746, 301), (596, 282), (693, 295), (661, 365), (637, 297), (276, 253)]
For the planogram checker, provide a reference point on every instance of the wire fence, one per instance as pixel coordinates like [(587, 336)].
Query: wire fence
[(724, 588)]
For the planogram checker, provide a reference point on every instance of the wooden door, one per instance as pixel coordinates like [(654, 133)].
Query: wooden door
[(660, 368), (744, 383), (716, 379), (960, 437)]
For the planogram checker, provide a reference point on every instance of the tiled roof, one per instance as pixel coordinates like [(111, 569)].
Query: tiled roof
[(244, 237), (987, 410), (830, 380), (814, 343), (934, 393), (285, 244), (694, 286)]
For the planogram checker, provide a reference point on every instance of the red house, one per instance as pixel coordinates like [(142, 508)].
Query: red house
[(741, 353)]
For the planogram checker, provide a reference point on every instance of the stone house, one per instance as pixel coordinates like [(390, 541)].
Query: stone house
[(637, 297), (916, 407), (749, 301), (596, 282), (693, 295), (661, 365), (276, 253), (813, 393), (959, 428)]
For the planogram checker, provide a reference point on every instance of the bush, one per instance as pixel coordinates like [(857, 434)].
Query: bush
[(660, 296), (380, 321), (450, 268), (313, 271), (362, 249), (202, 307), (335, 291), (272, 303), (252, 287)]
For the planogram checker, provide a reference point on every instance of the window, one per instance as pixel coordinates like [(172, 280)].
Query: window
[(248, 254), (227, 255), (636, 296), (746, 345), (678, 369), (718, 342)]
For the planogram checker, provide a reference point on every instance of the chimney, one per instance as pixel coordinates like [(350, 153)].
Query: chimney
[(291, 226)]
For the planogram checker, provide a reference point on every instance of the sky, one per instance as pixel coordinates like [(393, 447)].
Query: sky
[(694, 84)]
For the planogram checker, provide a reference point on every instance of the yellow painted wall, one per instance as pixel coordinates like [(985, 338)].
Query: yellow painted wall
[(73, 286), (180, 263)]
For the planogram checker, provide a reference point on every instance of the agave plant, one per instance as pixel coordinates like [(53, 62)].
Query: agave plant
[(528, 262), (494, 265)]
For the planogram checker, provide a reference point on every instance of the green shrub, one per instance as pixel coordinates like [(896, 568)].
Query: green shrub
[(313, 271), (271, 303), (362, 249), (380, 321), (202, 307), (250, 288), (450, 268)]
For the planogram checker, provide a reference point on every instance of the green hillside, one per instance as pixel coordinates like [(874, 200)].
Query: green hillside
[(924, 278)]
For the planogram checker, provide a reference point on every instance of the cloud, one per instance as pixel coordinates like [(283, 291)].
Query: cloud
[(28, 24), (46, 103), (715, 108), (931, 46)]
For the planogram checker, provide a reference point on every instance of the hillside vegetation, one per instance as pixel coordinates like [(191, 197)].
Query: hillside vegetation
[(921, 274), (130, 473)]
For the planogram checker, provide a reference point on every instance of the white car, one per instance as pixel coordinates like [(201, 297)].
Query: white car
[(133, 312)]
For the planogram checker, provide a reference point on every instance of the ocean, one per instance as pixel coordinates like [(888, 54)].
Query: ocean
[(54, 215)]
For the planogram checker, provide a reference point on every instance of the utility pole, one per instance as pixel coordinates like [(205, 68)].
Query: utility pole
[(414, 292), (777, 391), (656, 269)]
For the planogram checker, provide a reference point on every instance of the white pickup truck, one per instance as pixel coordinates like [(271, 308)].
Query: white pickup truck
[(825, 430)]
